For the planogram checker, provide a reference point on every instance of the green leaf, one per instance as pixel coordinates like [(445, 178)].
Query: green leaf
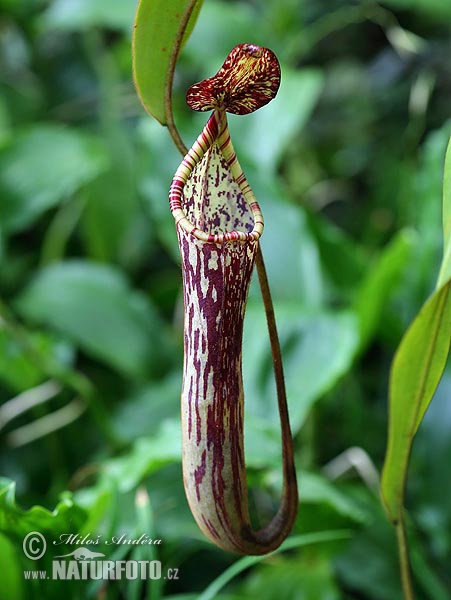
[(145, 407), (16, 523), (94, 307), (317, 489), (342, 259), (147, 456), (106, 225), (294, 268), (12, 574), (157, 35), (44, 165), (318, 349), (258, 434), (416, 371), (379, 283), (109, 227), (445, 269)]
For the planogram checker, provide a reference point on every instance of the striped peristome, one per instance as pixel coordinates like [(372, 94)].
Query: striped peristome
[(219, 223), (213, 146)]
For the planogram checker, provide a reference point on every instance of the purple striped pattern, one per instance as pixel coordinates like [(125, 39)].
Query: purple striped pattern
[(218, 224)]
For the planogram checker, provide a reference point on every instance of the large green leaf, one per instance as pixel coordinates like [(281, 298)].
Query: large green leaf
[(158, 34), (15, 522), (318, 350), (12, 576), (94, 307), (147, 455), (316, 489), (107, 225), (416, 371), (294, 268), (44, 165)]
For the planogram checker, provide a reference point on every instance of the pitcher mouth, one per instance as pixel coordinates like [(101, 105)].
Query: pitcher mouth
[(214, 133)]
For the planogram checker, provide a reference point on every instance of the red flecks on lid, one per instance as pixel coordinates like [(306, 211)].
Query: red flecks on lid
[(248, 79)]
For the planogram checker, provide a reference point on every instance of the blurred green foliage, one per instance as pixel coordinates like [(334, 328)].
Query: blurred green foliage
[(347, 164)]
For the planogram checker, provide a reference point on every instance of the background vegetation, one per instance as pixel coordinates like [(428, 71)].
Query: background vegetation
[(347, 164)]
